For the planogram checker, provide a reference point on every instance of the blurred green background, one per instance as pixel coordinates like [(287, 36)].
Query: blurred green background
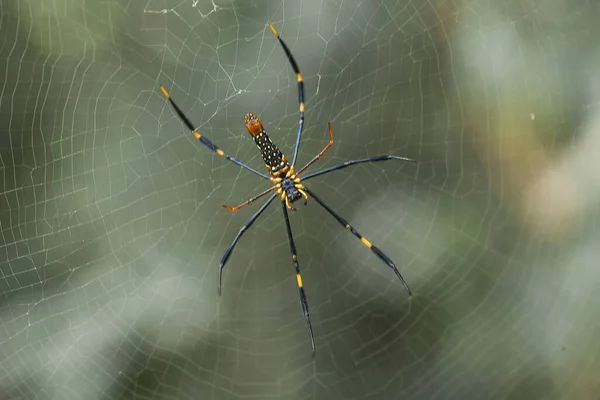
[(112, 226)]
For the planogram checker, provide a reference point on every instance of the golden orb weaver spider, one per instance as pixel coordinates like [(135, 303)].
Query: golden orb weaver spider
[(288, 183)]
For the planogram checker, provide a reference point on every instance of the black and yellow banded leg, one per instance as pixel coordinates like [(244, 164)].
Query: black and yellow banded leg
[(364, 241), (204, 140), (296, 69), (298, 276), (239, 235)]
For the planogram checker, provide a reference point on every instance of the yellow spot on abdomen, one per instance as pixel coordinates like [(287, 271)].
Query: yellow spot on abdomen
[(366, 242), (220, 152), (299, 278), (299, 77), (302, 107), (273, 30), (198, 136)]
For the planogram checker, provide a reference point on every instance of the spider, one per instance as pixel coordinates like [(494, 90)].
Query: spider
[(288, 183)]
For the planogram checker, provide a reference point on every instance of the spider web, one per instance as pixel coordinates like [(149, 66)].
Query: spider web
[(112, 226)]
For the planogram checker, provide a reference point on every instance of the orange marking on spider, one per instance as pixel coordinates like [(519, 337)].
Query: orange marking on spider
[(253, 124), (249, 201), (165, 92)]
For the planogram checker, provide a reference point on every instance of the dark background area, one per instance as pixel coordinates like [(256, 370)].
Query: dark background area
[(112, 227)]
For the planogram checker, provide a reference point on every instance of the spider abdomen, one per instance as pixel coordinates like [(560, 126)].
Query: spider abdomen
[(271, 155)]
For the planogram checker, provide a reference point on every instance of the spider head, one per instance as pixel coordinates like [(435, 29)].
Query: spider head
[(291, 192), (253, 124)]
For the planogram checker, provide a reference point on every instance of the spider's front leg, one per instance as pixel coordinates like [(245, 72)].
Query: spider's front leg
[(239, 235), (363, 240), (294, 255)]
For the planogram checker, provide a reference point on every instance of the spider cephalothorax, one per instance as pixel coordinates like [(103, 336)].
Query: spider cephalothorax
[(290, 188), (287, 182)]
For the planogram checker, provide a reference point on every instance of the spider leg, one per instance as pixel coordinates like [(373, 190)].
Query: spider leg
[(294, 64), (239, 235), (321, 153), (204, 140), (353, 162), (258, 196), (364, 241), (298, 277)]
